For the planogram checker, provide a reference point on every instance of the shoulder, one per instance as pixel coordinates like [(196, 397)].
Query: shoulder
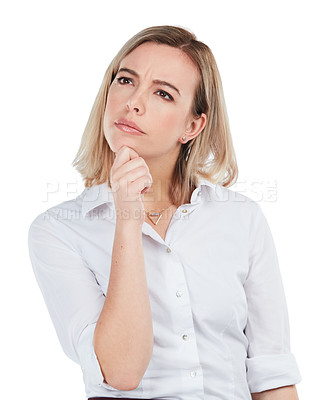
[(53, 219), (231, 201)]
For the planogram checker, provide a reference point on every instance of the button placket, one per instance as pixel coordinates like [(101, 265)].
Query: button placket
[(181, 294)]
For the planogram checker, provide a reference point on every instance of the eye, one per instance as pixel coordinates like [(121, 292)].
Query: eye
[(123, 77), (166, 94)]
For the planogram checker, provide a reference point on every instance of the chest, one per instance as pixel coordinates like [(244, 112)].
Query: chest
[(201, 269)]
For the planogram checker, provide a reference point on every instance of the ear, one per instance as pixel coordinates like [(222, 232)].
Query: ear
[(195, 127)]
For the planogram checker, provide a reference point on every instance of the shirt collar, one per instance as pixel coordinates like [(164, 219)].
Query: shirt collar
[(98, 195)]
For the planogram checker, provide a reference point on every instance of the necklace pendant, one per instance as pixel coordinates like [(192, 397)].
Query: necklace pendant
[(151, 215)]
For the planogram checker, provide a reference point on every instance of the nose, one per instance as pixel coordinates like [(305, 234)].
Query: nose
[(136, 103)]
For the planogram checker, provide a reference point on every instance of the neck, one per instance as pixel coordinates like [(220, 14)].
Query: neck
[(161, 169), (158, 195)]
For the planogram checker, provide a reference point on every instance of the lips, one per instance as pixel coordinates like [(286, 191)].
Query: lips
[(131, 124)]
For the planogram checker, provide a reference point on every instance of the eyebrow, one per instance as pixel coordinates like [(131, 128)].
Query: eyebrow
[(156, 81)]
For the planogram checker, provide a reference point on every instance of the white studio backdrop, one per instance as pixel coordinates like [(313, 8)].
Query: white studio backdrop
[(54, 55)]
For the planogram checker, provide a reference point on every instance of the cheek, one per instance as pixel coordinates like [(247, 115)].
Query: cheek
[(112, 101), (112, 108), (170, 123)]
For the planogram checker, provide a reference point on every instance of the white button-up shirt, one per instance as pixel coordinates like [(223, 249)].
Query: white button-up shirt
[(220, 318)]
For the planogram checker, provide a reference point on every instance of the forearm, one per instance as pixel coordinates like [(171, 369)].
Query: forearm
[(282, 393), (123, 339)]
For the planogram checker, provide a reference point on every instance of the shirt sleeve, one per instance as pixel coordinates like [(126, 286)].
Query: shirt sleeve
[(270, 363), (71, 293)]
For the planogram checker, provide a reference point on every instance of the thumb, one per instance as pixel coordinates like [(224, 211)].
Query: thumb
[(132, 153)]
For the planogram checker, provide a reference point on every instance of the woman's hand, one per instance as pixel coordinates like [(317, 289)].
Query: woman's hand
[(130, 179)]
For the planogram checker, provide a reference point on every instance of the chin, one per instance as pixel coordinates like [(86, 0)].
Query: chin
[(120, 142)]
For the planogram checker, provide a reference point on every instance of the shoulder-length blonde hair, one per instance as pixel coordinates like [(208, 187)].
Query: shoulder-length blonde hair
[(210, 155)]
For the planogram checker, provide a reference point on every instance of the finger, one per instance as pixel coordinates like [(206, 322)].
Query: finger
[(135, 163), (134, 174), (124, 154), (139, 185), (133, 153)]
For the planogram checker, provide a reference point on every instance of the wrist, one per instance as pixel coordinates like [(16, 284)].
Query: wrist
[(129, 223)]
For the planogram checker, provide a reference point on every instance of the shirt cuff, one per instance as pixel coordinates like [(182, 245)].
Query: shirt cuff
[(90, 366), (272, 371)]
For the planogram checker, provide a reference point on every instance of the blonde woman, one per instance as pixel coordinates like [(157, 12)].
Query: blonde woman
[(161, 282)]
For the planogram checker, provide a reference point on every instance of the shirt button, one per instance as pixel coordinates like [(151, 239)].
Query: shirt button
[(199, 193), (193, 374), (168, 250), (185, 337), (179, 293), (184, 211)]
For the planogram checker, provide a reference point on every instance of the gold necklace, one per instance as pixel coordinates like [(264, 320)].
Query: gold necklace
[(159, 215)]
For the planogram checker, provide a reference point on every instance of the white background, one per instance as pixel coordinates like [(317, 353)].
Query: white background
[(54, 55)]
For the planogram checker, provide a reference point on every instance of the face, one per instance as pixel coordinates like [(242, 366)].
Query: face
[(161, 111)]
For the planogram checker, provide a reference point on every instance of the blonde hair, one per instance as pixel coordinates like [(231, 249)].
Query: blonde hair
[(95, 158)]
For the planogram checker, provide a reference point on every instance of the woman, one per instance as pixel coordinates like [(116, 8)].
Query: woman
[(160, 281)]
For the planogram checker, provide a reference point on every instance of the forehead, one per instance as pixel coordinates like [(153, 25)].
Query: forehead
[(159, 61)]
